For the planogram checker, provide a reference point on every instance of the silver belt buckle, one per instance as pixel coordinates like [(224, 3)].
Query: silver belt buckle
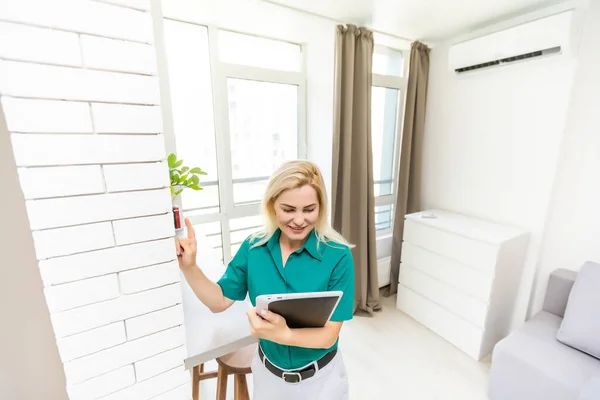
[(285, 374)]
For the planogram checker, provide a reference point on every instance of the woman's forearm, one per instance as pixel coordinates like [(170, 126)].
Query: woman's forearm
[(314, 338), (207, 291)]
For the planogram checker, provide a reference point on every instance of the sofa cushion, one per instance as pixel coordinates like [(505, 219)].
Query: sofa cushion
[(580, 328), (531, 364)]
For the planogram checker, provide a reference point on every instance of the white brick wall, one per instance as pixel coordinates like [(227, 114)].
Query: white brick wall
[(81, 97), (92, 341), (154, 322), (103, 385)]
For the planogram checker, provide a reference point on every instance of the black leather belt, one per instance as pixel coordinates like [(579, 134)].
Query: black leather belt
[(298, 375)]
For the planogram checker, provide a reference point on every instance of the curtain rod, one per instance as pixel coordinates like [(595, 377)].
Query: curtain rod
[(332, 19)]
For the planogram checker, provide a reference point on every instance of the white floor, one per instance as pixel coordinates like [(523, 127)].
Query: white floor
[(390, 356)]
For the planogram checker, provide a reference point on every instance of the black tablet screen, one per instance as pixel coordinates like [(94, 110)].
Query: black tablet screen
[(304, 313)]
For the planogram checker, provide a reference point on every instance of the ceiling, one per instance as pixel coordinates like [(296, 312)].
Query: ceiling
[(426, 20)]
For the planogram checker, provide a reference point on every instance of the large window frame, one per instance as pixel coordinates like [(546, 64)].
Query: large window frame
[(220, 73), (399, 83)]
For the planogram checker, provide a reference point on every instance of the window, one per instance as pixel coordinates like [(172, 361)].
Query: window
[(237, 103), (387, 103), (264, 113), (192, 106)]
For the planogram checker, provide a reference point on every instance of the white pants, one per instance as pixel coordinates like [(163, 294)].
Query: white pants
[(329, 383)]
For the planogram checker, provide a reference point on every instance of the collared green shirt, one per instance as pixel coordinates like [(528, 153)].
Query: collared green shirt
[(315, 267)]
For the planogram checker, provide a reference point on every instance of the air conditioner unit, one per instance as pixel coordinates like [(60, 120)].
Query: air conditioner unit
[(542, 37)]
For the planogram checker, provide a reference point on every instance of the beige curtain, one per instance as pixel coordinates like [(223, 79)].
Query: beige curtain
[(353, 201), (408, 198)]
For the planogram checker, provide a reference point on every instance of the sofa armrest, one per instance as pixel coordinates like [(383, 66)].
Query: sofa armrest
[(591, 389), (558, 290)]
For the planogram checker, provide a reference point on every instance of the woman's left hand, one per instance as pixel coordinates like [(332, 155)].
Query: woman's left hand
[(270, 327)]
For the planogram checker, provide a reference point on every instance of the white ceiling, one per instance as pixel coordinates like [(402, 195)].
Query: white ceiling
[(426, 20)]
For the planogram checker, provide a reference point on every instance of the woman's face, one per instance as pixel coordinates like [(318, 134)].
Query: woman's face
[(297, 211)]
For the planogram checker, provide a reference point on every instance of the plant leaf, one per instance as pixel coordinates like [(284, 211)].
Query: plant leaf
[(178, 164), (195, 180), (184, 169), (196, 170), (195, 187), (172, 159)]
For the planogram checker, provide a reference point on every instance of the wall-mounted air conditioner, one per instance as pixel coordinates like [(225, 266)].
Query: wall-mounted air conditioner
[(546, 36)]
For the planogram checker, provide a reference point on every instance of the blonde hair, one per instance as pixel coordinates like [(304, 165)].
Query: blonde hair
[(292, 175)]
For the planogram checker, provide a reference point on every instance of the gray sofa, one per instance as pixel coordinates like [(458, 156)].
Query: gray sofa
[(531, 364)]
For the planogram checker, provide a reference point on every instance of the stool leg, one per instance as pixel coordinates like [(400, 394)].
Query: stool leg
[(241, 388), (221, 384), (196, 382)]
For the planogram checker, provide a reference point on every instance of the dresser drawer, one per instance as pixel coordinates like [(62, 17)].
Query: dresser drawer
[(467, 279), (455, 330), (464, 306), (467, 251)]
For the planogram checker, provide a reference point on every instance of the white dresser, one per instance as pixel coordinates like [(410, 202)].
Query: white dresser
[(459, 276)]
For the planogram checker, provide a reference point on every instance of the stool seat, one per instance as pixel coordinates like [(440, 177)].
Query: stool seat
[(238, 364), (240, 361)]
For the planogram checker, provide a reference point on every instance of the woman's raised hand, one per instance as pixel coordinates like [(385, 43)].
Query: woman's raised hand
[(186, 247)]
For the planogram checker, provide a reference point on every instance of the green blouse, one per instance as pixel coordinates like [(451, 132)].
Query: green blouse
[(314, 267)]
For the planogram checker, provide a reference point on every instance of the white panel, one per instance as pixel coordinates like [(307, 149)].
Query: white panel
[(81, 293), (95, 315), (103, 385), (45, 81), (43, 182), (160, 363), (101, 262), (45, 150), (154, 322), (153, 387), (118, 55), (38, 44), (25, 115), (468, 251), (82, 16), (464, 306), (107, 360), (466, 279), (456, 330), (67, 211), (141, 279), (137, 230), (143, 176), (75, 239), (92, 341), (120, 118)]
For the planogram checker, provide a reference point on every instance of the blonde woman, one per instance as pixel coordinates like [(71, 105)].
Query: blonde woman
[(296, 251)]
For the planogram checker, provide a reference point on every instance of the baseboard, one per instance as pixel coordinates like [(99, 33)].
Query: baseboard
[(383, 271)]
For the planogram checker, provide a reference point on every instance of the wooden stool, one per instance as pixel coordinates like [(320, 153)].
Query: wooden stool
[(237, 364), (199, 375)]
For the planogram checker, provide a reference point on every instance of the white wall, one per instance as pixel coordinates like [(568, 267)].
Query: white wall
[(492, 140), (82, 109), (573, 225)]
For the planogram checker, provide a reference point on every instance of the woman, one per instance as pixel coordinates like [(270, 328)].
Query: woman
[(296, 251)]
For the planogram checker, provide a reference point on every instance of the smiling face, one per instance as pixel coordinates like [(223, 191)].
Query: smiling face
[(297, 211)]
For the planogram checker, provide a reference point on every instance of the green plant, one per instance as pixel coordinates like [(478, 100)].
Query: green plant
[(183, 176)]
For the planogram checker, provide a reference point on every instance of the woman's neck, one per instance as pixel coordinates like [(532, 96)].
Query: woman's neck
[(289, 244)]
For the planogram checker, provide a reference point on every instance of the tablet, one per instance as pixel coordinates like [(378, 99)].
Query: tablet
[(301, 310)]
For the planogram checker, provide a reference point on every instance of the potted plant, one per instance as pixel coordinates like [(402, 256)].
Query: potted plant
[(182, 177)]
